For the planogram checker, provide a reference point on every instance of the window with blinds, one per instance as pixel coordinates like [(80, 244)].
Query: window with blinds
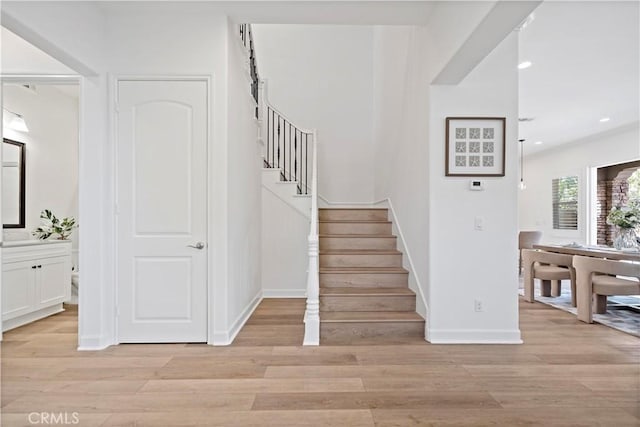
[(565, 203)]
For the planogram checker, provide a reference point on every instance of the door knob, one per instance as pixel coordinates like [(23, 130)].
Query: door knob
[(198, 245)]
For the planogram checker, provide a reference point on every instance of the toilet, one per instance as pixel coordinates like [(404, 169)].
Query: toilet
[(75, 282)]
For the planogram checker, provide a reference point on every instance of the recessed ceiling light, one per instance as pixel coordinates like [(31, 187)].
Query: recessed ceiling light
[(523, 65), (604, 119), (538, 142)]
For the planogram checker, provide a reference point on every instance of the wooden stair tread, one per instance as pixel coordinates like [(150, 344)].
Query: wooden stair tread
[(361, 252), (348, 291), (358, 236), (354, 221), (369, 316), (353, 209), (373, 270)]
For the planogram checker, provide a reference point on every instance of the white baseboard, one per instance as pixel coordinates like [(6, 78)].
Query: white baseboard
[(422, 308), (31, 317), (226, 338), (473, 336), (284, 293), (92, 343)]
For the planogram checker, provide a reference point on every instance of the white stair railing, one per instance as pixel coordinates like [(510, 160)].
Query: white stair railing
[(299, 166)]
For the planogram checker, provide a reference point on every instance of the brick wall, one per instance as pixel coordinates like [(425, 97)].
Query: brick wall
[(612, 191)]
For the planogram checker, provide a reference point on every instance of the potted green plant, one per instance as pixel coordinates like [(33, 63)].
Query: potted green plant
[(626, 219), (50, 225)]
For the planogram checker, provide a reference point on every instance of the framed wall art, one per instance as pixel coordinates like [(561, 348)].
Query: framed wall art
[(475, 146)]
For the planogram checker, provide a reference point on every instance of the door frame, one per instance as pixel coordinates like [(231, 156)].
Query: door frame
[(113, 112)]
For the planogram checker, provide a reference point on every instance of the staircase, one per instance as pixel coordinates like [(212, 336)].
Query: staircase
[(364, 292)]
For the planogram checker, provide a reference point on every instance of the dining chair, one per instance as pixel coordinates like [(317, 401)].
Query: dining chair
[(597, 276), (526, 240), (547, 267)]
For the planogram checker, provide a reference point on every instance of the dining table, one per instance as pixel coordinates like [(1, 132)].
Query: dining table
[(592, 251)]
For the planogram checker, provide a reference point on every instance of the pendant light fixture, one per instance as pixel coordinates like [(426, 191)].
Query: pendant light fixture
[(522, 184)]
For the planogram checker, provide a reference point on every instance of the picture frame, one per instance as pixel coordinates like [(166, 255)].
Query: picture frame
[(475, 146)]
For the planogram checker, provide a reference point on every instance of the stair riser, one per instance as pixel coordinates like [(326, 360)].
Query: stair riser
[(367, 303), (329, 243), (351, 332), (361, 260), (364, 280), (353, 214), (383, 228)]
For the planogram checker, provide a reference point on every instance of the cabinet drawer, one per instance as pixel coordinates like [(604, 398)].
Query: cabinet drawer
[(33, 252)]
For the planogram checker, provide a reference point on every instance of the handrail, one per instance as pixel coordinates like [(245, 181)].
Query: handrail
[(265, 99), (246, 37)]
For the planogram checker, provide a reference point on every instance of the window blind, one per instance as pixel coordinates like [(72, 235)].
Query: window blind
[(565, 203)]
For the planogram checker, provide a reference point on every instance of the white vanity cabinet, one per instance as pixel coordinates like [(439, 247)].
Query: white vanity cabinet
[(36, 280)]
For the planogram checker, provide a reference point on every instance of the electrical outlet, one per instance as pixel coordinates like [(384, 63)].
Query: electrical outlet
[(478, 306)]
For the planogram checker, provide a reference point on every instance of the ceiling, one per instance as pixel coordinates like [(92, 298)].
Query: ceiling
[(585, 56), (21, 57), (585, 66), (351, 12)]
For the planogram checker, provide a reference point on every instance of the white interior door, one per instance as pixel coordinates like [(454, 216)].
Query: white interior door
[(162, 211)]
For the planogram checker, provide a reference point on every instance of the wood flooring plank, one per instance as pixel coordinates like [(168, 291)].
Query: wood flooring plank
[(555, 417), (372, 400), (258, 385), (612, 383), (489, 384), (364, 371), (131, 402), (575, 371), (322, 418), (72, 387), (563, 399), (23, 420)]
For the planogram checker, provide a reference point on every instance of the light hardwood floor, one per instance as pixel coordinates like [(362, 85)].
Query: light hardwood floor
[(566, 373)]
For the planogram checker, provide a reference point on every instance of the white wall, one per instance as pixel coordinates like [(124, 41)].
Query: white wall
[(51, 151), (401, 140), (436, 213), (321, 77), (469, 265), (245, 183), (572, 159), (284, 248)]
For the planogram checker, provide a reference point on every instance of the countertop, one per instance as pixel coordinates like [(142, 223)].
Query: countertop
[(33, 242)]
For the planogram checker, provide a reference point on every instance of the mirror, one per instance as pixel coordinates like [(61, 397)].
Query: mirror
[(13, 184)]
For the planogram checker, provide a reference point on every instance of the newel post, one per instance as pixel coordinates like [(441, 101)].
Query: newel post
[(312, 313)]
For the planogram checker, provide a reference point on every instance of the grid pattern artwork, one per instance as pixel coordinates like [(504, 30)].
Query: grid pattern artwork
[(475, 146)]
